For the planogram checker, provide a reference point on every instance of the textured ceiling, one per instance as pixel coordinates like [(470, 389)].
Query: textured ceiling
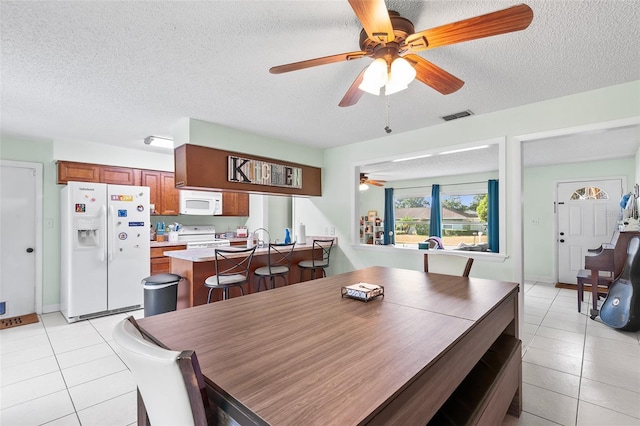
[(116, 72)]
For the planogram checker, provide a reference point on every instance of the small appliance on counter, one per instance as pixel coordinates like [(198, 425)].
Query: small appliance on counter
[(200, 236)]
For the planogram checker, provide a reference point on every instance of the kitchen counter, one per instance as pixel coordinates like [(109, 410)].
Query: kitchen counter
[(208, 254), (197, 264), (167, 243)]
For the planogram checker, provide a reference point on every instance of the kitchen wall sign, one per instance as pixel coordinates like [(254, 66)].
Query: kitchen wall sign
[(202, 168), (257, 172)]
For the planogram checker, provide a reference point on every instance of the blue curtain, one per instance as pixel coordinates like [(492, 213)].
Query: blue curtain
[(389, 217), (493, 217), (435, 226)]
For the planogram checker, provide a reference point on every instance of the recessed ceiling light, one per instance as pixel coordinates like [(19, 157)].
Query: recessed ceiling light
[(411, 158), (473, 148)]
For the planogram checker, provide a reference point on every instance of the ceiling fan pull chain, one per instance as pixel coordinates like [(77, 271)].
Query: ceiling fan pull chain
[(387, 128)]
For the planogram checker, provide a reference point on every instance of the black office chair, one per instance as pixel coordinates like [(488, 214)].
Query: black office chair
[(278, 264), (319, 258), (232, 270)]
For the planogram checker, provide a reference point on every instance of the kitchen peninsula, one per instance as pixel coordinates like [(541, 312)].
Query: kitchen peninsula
[(196, 264)]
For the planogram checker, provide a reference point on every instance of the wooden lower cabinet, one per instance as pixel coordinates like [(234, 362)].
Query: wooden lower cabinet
[(160, 264)]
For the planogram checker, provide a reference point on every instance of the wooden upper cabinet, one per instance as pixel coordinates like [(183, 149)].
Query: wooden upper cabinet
[(235, 204), (118, 175), (163, 194), (96, 173), (151, 178), (78, 172), (170, 195)]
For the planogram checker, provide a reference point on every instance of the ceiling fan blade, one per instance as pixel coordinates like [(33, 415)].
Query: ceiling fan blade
[(514, 18), (374, 183), (353, 95), (434, 76), (317, 61), (374, 17)]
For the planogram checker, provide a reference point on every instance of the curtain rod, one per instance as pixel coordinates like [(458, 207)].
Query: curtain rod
[(443, 184)]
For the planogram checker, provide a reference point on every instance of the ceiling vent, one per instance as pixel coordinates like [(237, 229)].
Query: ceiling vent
[(457, 115)]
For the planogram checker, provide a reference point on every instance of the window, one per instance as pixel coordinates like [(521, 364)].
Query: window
[(589, 193), (463, 213)]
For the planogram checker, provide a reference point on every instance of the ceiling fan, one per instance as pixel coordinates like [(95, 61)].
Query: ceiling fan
[(364, 180), (387, 36)]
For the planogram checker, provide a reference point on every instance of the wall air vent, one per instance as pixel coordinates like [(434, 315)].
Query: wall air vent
[(457, 115)]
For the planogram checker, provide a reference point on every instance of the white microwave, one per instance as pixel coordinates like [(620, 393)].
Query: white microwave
[(200, 202)]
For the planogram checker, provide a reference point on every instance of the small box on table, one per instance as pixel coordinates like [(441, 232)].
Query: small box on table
[(363, 291)]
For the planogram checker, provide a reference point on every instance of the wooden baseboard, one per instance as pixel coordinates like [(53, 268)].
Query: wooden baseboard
[(587, 287)]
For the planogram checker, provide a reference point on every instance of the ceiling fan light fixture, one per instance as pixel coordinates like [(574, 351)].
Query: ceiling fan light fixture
[(374, 77), (363, 187), (402, 73)]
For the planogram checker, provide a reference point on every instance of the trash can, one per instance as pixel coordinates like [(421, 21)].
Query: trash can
[(160, 293)]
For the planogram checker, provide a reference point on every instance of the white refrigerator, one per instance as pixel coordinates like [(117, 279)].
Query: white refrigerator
[(105, 248)]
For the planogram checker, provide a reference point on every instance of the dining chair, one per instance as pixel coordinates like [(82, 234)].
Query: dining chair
[(278, 264), (170, 384), (320, 253), (467, 266), (232, 270)]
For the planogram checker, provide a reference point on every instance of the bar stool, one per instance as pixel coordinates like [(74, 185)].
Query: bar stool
[(232, 269), (319, 258), (278, 264)]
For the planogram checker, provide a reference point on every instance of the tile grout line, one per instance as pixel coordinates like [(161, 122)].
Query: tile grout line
[(64, 380)]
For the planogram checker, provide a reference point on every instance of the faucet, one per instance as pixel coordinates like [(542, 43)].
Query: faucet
[(262, 242)]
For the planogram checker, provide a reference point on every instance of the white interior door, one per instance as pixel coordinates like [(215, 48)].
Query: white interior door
[(20, 218), (587, 216)]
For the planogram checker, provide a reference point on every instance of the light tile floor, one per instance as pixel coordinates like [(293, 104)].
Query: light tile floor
[(575, 371)]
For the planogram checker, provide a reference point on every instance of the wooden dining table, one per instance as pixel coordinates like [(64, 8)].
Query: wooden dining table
[(433, 347)]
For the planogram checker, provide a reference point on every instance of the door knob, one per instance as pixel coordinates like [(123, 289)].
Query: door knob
[(562, 240), (562, 233), (29, 250)]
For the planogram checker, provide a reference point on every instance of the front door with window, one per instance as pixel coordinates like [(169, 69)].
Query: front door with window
[(587, 212)]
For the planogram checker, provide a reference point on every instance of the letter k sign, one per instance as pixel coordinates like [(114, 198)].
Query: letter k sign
[(237, 170)]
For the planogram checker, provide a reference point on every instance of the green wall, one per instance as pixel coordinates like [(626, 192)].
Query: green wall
[(515, 125), (208, 134), (539, 219), (337, 207)]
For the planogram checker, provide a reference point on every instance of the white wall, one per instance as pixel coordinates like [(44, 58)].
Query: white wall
[(96, 153)]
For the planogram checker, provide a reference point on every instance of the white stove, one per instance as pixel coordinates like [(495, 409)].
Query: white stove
[(201, 236)]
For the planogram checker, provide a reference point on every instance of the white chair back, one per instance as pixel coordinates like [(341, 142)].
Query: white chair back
[(159, 378)]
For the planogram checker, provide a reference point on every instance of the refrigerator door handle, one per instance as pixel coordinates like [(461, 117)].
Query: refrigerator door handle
[(112, 240), (103, 249)]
